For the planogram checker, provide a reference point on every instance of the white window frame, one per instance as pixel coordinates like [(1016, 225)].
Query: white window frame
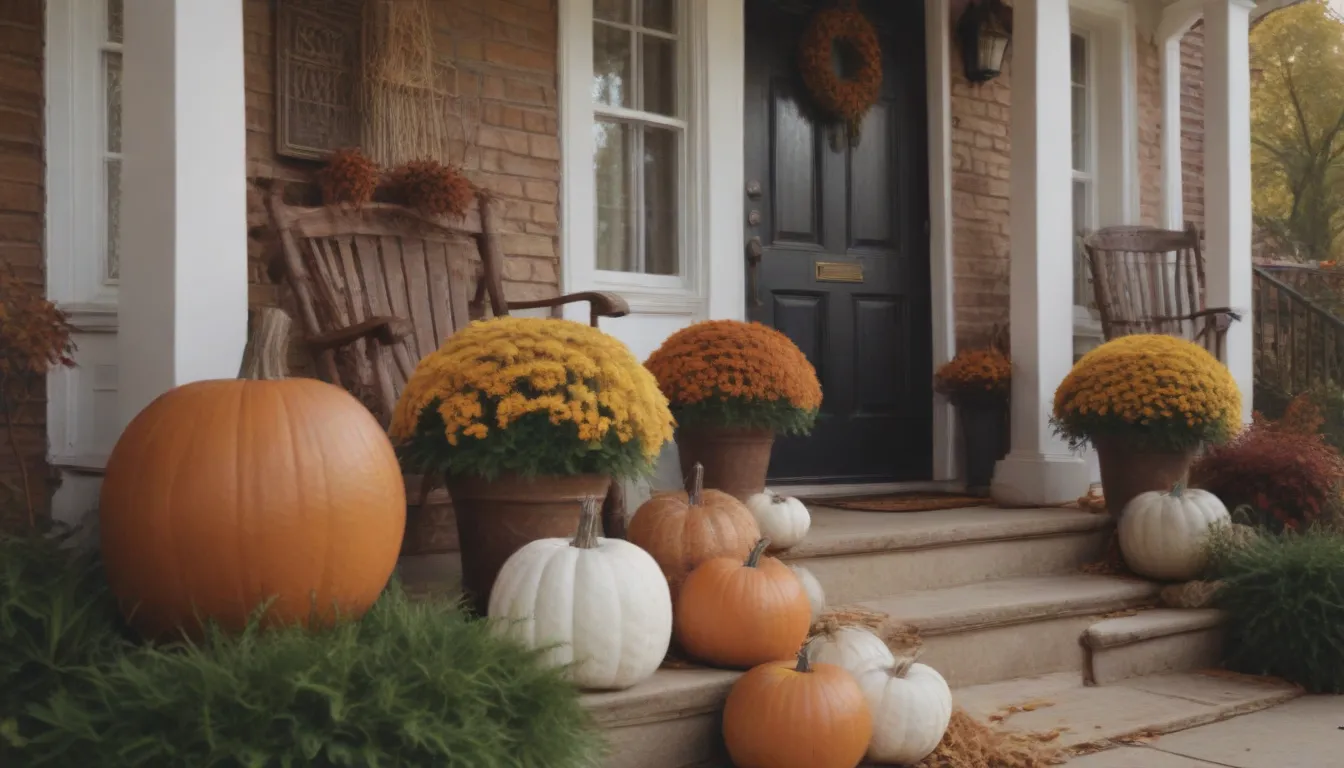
[(1089, 176), (1109, 27), (684, 293), (76, 131)]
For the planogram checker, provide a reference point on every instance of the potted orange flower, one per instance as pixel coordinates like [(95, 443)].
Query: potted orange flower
[(733, 386), (978, 382)]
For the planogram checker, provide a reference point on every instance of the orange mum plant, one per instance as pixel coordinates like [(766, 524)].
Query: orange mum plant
[(349, 178), (735, 374), (975, 376), (433, 188)]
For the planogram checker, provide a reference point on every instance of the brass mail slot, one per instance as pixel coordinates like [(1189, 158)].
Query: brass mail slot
[(839, 272)]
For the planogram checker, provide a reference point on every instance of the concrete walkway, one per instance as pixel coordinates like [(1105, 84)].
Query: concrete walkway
[(1304, 733)]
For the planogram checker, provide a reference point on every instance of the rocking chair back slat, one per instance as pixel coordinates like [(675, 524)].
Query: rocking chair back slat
[(1150, 280)]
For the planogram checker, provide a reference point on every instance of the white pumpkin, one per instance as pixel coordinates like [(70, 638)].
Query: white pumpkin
[(601, 606), (1164, 535), (816, 596), (911, 707), (854, 649), (783, 520)]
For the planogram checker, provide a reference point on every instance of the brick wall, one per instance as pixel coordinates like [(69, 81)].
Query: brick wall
[(504, 56), (1192, 124), (22, 209), (980, 188)]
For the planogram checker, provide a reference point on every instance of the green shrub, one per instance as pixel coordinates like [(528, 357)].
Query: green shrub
[(56, 618), (413, 683), (1284, 595)]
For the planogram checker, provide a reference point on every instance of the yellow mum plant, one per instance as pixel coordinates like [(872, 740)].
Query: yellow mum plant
[(532, 396), (733, 374), (1163, 392)]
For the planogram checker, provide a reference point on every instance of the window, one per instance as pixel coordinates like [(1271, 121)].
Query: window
[(1084, 160), (639, 135), (111, 144)]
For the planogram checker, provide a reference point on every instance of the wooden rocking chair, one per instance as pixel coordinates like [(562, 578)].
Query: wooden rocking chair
[(380, 288), (1148, 280)]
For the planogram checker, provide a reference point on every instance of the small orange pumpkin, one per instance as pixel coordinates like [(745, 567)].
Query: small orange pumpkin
[(222, 495), (682, 530), (739, 614), (796, 714)]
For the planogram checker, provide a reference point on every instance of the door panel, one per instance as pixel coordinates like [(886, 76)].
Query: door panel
[(845, 270)]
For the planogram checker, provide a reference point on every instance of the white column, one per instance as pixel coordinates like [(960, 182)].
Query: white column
[(1173, 202), (1227, 177), (938, 32), (1040, 469), (183, 292)]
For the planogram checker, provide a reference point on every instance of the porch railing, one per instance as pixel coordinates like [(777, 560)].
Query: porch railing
[(1298, 343)]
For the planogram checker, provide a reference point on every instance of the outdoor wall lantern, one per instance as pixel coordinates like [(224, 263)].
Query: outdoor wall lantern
[(985, 29)]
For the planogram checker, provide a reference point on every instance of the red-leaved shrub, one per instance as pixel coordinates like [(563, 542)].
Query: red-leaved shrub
[(1283, 471)]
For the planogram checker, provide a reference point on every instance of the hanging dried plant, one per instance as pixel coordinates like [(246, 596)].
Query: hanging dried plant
[(349, 178), (433, 188), (404, 106)]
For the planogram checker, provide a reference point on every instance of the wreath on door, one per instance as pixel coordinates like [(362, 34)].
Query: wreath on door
[(845, 95)]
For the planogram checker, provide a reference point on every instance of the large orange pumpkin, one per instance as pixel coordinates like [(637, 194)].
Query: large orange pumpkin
[(796, 714), (682, 530), (736, 614), (222, 495)]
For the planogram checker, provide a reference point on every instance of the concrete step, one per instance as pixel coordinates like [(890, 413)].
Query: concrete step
[(1150, 642), (866, 555), (1012, 628), (973, 633), (1090, 717), (672, 720)]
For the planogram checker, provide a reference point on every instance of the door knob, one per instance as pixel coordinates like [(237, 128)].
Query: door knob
[(753, 189)]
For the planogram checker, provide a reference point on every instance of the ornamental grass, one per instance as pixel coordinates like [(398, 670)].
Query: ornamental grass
[(727, 373), (413, 684), (532, 396), (1284, 599), (1160, 392), (975, 376)]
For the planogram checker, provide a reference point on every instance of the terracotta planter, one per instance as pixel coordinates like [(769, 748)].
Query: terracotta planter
[(1127, 471), (430, 525), (735, 460), (984, 437), (495, 518)]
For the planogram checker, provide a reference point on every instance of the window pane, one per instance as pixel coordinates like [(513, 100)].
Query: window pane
[(1082, 225), (660, 75), (612, 147), (611, 66), (1078, 59), (660, 14), (114, 21), (661, 239), (113, 219), (612, 10), (1081, 130), (112, 86)]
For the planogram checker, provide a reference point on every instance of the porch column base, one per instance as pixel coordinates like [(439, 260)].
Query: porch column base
[(1029, 479)]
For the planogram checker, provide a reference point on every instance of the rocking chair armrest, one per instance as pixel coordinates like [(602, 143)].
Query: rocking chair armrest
[(384, 330), (602, 304)]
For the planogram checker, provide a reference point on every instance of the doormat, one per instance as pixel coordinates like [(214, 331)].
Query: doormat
[(906, 502)]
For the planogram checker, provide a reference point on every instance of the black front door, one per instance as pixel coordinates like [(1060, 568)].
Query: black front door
[(844, 267)]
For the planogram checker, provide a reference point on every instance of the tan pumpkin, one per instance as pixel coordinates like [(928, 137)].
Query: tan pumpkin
[(796, 714), (684, 529), (222, 495), (739, 614)]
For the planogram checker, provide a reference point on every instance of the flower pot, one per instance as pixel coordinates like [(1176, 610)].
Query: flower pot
[(984, 437), (735, 459), (495, 518), (1128, 470)]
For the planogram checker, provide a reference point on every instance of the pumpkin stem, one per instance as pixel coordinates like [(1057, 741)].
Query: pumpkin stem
[(903, 665), (697, 484), (804, 664), (775, 498), (267, 344), (1178, 489), (754, 559), (586, 537)]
